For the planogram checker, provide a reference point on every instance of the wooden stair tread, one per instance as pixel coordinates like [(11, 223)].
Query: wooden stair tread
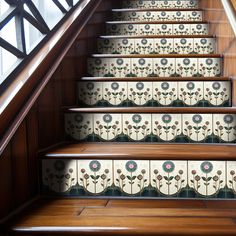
[(171, 110), (156, 55), (155, 79), (155, 36), (165, 217), (155, 9), (157, 22), (142, 151)]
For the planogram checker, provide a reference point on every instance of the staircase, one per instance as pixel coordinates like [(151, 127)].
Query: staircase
[(153, 119)]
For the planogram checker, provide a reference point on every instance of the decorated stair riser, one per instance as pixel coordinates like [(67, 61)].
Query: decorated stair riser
[(140, 178), (157, 29), (160, 4), (176, 128), (157, 46), (155, 67), (158, 15), (176, 94)]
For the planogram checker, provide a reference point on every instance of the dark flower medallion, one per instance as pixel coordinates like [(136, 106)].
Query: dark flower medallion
[(59, 165), (163, 41), (228, 119), (144, 41), (148, 13), (203, 41), (163, 13), (164, 27), (168, 166), (98, 62), (186, 61), (190, 85), (194, 13), (147, 27), (130, 27), (119, 61), (165, 86), (136, 118), (115, 86), (141, 61), (216, 85), (206, 167), (197, 119), (95, 166), (107, 118), (164, 61), (131, 166), (166, 118), (79, 118), (199, 27), (140, 86), (90, 86), (134, 14), (125, 41), (209, 61), (183, 41), (181, 27), (178, 13)]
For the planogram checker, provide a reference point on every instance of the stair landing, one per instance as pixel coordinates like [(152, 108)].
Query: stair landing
[(127, 217)]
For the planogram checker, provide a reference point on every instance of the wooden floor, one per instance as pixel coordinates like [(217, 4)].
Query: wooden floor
[(127, 217)]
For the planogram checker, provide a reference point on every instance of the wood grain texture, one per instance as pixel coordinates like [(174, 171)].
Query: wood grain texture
[(114, 218), (143, 151)]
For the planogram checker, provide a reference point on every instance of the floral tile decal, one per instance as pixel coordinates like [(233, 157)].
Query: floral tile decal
[(131, 177), (169, 178), (183, 45), (115, 93), (163, 67), (181, 29), (217, 93), (204, 45), (224, 127), (137, 127), (142, 67), (59, 176), (231, 179), (210, 67), (140, 93), (98, 67), (186, 67), (94, 176), (165, 93), (206, 178), (190, 93), (79, 126), (199, 29), (197, 127), (164, 46), (107, 126), (89, 93), (119, 67), (166, 127), (147, 29), (144, 46), (164, 29)]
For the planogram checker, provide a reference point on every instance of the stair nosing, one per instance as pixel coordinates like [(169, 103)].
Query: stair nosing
[(154, 9), (157, 22), (155, 36)]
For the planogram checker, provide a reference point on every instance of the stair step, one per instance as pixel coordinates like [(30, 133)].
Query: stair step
[(159, 66), (156, 28), (148, 124), (157, 46), (154, 94), (155, 22), (158, 16), (161, 4), (141, 151), (127, 79), (154, 36), (144, 217), (154, 9)]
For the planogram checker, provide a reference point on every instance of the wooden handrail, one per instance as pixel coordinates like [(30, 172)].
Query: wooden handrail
[(27, 86)]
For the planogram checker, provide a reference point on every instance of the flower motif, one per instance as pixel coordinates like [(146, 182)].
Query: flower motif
[(186, 61), (164, 27), (163, 41), (181, 27), (148, 13), (59, 165), (120, 61), (131, 166), (134, 13), (209, 61), (147, 27), (178, 13), (165, 86), (194, 13), (190, 85), (183, 41), (168, 166), (90, 86), (141, 61), (106, 41), (216, 85), (115, 86), (206, 167), (107, 118), (125, 41), (163, 13), (166, 118), (164, 61), (98, 61), (79, 118), (203, 41), (144, 41), (137, 118), (228, 119), (197, 119), (140, 85), (95, 166), (130, 27), (199, 27)]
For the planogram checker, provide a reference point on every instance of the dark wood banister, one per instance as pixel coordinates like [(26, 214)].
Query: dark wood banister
[(54, 58)]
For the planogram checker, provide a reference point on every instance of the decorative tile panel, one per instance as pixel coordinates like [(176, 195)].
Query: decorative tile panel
[(157, 46), (59, 176), (131, 177), (155, 67), (157, 15), (156, 29), (206, 178), (169, 178)]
